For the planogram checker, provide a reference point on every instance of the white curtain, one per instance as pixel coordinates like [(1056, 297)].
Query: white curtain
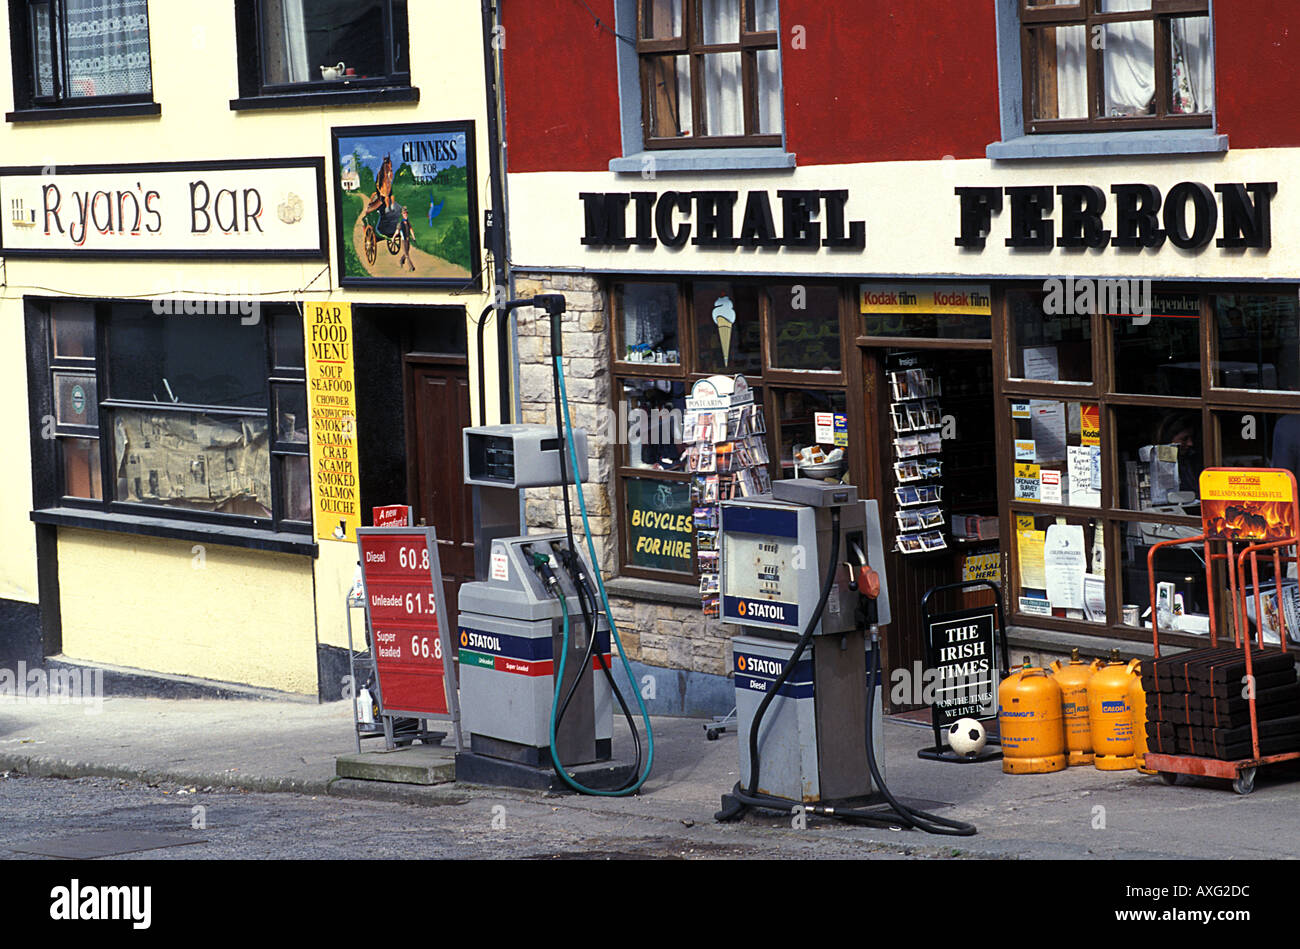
[(1193, 69), (108, 47), (295, 42), (723, 89), (1128, 61), (1071, 72)]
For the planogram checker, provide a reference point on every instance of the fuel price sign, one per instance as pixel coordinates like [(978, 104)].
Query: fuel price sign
[(408, 620)]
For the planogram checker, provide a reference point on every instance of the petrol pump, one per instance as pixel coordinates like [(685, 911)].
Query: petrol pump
[(802, 575), (534, 630)]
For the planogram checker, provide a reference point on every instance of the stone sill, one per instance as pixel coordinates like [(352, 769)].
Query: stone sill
[(704, 159), (653, 591), (1110, 144)]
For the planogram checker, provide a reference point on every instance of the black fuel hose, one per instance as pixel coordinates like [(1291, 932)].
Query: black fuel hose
[(587, 603), (736, 810), (897, 813)]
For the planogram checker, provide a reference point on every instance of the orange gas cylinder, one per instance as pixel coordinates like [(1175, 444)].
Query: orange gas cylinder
[(1029, 722), (1073, 680), (1137, 700), (1110, 717)]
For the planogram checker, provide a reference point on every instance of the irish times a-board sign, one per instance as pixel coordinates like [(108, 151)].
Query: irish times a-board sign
[(963, 666)]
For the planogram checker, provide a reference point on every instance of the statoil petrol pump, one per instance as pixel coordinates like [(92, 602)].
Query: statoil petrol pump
[(535, 629), (802, 574)]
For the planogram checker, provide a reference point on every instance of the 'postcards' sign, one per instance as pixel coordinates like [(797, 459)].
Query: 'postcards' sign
[(262, 209)]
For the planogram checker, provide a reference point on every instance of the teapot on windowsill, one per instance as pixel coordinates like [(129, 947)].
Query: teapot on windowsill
[(332, 72)]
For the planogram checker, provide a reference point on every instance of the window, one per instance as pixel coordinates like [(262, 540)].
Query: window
[(80, 52), (710, 73), (784, 337), (1098, 65), (197, 417), (1205, 377), (290, 47)]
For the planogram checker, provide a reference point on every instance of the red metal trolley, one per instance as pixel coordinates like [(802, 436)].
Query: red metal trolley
[(1245, 513)]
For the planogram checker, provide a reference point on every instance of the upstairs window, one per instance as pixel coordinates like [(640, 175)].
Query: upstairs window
[(323, 45), (710, 73), (1114, 65), (81, 52)]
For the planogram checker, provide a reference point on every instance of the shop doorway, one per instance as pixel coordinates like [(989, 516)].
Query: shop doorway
[(438, 408), (932, 463)]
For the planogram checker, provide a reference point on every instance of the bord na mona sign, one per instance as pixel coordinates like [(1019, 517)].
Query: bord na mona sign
[(806, 219), (1187, 216)]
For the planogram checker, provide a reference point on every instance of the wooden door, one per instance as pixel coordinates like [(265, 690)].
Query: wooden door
[(437, 409)]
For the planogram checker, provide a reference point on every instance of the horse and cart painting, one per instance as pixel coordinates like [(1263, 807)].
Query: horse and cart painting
[(407, 211)]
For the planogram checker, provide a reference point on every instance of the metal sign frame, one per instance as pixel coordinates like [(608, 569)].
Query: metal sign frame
[(446, 621), (940, 751)]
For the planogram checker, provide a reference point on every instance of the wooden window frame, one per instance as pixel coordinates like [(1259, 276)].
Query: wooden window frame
[(1212, 402), (23, 56), (691, 45), (1085, 13), (687, 372), (277, 522)]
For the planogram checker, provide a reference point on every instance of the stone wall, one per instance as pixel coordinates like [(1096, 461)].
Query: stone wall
[(656, 632)]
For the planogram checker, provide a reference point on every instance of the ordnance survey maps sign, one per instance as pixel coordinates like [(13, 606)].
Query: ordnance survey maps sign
[(263, 209), (331, 403)]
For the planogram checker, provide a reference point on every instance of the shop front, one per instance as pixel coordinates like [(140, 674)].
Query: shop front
[(1028, 366), (234, 327)]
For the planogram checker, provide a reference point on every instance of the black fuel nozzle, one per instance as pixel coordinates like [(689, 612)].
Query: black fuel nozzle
[(542, 564)]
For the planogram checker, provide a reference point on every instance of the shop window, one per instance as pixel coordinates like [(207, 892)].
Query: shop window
[(1057, 449), (1159, 357), (322, 46), (805, 327), (1048, 346), (1258, 338), (796, 423), (1183, 567), (1061, 567), (80, 52), (197, 419), (665, 337), (710, 72), (1160, 455), (728, 335), (651, 416), (1101, 65), (645, 323)]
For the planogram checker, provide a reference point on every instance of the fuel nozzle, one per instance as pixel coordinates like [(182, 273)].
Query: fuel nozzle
[(863, 578), (542, 564)]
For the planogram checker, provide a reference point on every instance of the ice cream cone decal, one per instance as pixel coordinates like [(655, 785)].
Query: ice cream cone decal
[(724, 315)]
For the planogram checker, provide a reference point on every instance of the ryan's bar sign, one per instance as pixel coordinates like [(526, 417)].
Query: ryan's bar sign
[(1189, 219), (224, 209), (809, 219)]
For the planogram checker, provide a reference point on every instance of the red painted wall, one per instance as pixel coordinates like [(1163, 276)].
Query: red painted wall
[(878, 80), (889, 81), (561, 85), (1256, 45)]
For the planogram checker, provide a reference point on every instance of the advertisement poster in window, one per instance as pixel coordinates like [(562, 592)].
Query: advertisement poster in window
[(331, 403), (407, 205), (660, 525)]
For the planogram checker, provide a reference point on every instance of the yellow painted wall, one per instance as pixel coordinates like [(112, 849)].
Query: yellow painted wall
[(220, 612), (132, 600)]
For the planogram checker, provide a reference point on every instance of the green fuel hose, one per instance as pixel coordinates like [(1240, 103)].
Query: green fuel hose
[(566, 431)]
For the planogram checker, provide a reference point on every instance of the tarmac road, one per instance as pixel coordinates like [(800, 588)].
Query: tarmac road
[(261, 746)]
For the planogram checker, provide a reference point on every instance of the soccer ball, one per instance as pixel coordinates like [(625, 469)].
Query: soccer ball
[(967, 737)]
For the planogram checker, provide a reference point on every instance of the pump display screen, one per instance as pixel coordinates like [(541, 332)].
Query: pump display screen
[(761, 568)]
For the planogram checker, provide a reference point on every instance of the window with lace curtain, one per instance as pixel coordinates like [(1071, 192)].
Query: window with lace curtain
[(710, 73), (1102, 65), (77, 51)]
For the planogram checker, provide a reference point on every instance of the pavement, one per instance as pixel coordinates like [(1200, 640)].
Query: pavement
[(292, 746)]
